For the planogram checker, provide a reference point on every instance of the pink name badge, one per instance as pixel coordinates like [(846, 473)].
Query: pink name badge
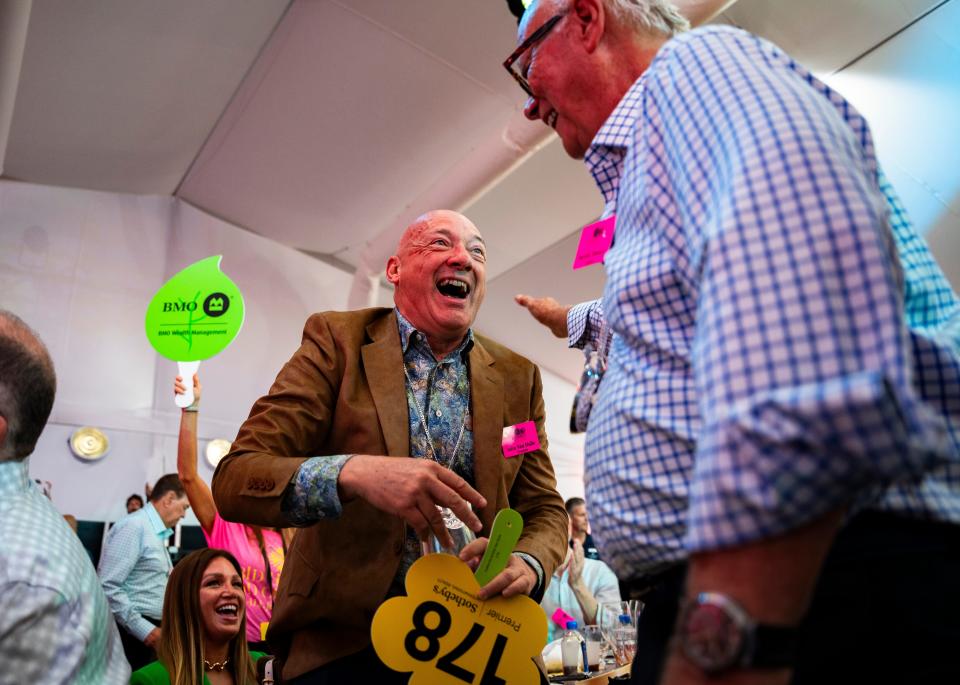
[(561, 618), (595, 240), (520, 439)]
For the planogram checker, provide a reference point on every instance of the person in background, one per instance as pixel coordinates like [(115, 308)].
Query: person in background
[(55, 623), (580, 527), (780, 405), (134, 502), (204, 618), (579, 586), (260, 551), (135, 564)]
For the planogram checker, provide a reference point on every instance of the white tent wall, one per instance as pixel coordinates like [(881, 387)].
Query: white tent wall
[(566, 448), (909, 90), (80, 267)]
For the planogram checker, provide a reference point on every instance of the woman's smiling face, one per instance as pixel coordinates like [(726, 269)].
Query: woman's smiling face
[(221, 601)]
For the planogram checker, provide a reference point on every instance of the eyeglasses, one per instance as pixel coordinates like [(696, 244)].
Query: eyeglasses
[(531, 40)]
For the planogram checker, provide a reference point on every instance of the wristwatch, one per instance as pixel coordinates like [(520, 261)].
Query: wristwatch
[(717, 634)]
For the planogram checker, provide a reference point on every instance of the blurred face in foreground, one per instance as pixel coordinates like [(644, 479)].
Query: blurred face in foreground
[(439, 276)]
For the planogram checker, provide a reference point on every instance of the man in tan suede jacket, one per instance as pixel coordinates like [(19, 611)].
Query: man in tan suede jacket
[(411, 381)]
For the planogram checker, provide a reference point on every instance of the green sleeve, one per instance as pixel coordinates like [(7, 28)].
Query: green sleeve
[(152, 674)]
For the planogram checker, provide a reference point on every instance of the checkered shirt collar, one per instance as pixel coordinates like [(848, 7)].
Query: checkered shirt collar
[(159, 527), (604, 158), (14, 477)]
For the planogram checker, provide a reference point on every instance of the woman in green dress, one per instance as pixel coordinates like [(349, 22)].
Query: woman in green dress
[(203, 628)]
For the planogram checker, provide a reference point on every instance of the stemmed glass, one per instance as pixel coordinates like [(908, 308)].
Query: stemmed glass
[(459, 531), (618, 622)]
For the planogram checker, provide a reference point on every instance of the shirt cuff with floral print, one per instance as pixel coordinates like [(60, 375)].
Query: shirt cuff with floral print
[(312, 492)]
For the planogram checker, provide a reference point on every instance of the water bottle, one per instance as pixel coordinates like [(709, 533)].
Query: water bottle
[(573, 648)]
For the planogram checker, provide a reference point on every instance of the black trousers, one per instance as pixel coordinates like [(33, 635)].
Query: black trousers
[(886, 608), (138, 654), (361, 668)]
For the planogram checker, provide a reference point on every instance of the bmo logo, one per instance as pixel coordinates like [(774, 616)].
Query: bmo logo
[(216, 304)]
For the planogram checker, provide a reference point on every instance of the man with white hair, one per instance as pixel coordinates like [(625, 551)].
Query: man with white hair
[(55, 625), (771, 411)]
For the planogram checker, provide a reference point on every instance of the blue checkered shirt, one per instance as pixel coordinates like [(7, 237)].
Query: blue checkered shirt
[(134, 568), (55, 624), (773, 358)]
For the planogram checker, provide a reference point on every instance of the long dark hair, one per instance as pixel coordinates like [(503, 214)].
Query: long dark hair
[(258, 534), (181, 638)]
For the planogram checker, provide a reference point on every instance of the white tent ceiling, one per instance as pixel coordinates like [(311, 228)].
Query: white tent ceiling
[(328, 124)]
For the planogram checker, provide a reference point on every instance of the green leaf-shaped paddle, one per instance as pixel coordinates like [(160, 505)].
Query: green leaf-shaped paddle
[(194, 316), (507, 527)]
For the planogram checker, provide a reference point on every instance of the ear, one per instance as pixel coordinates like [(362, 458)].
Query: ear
[(590, 18), (393, 269), (3, 431)]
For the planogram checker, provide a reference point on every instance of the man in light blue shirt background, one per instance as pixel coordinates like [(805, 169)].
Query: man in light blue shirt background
[(55, 624), (136, 564)]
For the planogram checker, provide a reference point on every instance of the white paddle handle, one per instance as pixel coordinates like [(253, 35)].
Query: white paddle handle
[(186, 371)]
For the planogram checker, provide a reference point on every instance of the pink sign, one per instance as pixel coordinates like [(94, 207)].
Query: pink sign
[(595, 240), (520, 439), (562, 618)]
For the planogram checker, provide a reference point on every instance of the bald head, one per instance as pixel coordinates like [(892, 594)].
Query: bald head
[(27, 387), (432, 219), (439, 276)]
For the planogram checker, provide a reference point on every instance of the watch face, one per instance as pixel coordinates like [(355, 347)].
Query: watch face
[(712, 639)]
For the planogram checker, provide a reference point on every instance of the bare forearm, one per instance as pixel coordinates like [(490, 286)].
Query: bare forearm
[(587, 601), (772, 579), (201, 499), (187, 446)]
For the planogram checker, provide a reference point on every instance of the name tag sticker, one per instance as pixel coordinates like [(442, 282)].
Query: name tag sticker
[(595, 240), (561, 618), (520, 439)]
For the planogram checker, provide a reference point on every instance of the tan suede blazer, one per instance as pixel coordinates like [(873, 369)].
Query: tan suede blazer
[(343, 392)]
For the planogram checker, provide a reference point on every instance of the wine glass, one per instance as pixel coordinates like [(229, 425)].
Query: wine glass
[(618, 622), (459, 531)]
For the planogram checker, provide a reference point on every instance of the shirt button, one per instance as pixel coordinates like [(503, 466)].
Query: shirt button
[(439, 413)]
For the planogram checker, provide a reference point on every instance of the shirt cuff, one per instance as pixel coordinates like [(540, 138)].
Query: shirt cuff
[(584, 322), (535, 565), (140, 627), (312, 493)]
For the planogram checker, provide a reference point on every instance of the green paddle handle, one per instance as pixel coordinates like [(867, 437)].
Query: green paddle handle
[(507, 527)]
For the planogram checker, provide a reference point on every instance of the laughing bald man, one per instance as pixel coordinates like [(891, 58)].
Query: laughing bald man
[(380, 416)]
